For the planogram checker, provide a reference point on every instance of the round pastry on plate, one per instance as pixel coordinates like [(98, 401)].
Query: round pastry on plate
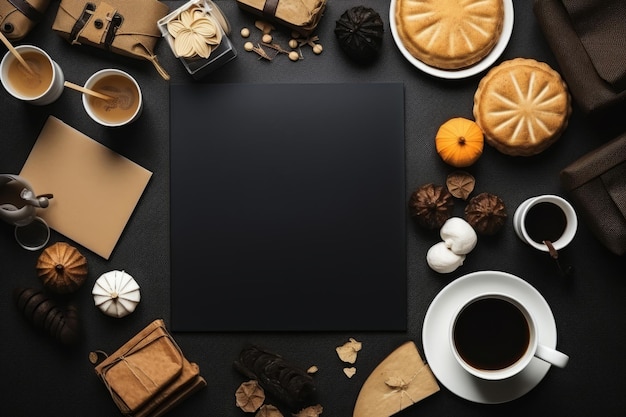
[(522, 106), (449, 34)]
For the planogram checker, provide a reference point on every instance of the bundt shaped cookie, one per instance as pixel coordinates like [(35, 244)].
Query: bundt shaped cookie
[(522, 106), (449, 34)]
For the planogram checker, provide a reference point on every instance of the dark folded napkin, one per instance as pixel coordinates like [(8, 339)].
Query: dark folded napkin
[(596, 183), (588, 39)]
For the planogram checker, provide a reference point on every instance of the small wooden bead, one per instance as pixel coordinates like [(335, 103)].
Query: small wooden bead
[(248, 46), (267, 38), (317, 49), (294, 56), (245, 32), (293, 43)]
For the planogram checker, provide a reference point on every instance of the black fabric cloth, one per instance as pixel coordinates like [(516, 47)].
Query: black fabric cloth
[(596, 183), (588, 39), (601, 27)]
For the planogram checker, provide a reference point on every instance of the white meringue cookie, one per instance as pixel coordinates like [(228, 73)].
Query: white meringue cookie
[(441, 259), (458, 235)]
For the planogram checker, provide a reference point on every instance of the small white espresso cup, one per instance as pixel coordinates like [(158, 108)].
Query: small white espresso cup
[(493, 336), (19, 83), (128, 103), (557, 214)]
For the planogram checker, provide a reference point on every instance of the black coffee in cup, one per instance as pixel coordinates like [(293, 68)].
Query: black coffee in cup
[(545, 221), (491, 334)]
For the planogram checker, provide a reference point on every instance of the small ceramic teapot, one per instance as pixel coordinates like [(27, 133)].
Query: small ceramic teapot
[(18, 202)]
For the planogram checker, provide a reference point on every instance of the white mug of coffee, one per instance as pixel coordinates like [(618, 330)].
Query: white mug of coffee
[(41, 86), (126, 102), (493, 336), (545, 218)]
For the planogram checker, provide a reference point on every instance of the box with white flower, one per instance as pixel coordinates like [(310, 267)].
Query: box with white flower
[(197, 33)]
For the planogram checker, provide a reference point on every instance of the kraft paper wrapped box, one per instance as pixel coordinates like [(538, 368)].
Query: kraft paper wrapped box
[(299, 15), (149, 375)]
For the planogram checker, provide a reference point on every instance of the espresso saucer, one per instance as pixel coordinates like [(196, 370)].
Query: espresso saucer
[(439, 356)]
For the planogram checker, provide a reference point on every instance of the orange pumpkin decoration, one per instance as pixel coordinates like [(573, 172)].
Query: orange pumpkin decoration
[(459, 142)]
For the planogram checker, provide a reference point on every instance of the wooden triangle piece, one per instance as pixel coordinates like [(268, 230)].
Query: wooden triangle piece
[(399, 381)]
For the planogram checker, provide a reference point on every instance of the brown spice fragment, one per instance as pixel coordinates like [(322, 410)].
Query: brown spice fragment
[(263, 26), (249, 396), (268, 410), (348, 351), (311, 411), (431, 205), (312, 369), (460, 184)]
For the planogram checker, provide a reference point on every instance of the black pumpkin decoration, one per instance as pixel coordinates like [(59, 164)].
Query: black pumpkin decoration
[(359, 31)]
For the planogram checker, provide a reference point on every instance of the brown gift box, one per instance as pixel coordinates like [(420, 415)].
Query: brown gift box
[(299, 15), (124, 27), (19, 17), (149, 374)]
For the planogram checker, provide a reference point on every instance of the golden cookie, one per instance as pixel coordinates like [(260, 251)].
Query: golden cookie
[(449, 34), (522, 106)]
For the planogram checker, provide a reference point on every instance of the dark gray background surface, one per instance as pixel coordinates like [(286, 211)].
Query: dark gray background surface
[(40, 378)]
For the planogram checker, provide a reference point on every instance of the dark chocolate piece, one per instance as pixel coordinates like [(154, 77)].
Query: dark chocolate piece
[(44, 313), (286, 382)]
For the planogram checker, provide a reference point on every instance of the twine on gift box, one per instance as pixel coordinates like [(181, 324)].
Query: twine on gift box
[(399, 385), (135, 370)]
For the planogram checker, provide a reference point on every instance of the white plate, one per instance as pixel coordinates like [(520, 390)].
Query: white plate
[(437, 347), (480, 66)]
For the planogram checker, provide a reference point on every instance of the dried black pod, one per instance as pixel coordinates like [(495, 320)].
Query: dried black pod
[(431, 205), (289, 384), (44, 313), (359, 31)]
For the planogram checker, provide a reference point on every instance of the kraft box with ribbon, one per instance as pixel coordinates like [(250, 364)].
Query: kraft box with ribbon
[(123, 27), (148, 375), (19, 17), (299, 15)]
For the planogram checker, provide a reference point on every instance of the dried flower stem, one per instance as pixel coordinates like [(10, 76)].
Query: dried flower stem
[(309, 41), (275, 47), (261, 52)]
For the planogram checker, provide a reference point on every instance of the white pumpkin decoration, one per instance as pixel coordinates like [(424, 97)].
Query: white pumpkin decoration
[(116, 293)]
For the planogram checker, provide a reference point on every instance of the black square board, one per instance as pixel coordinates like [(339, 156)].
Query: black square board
[(287, 207)]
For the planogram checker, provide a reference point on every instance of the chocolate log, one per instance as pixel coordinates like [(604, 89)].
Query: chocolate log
[(44, 313), (279, 378)]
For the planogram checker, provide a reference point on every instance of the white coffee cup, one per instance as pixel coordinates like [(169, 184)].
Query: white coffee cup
[(527, 231), (129, 88), (47, 93), (493, 336)]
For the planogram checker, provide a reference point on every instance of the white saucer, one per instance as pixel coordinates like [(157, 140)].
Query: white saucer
[(480, 66), (437, 347)]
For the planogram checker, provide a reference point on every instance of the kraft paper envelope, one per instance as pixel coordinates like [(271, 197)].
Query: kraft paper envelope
[(95, 189)]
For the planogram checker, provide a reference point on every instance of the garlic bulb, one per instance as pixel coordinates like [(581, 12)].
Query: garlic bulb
[(116, 293), (458, 235)]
